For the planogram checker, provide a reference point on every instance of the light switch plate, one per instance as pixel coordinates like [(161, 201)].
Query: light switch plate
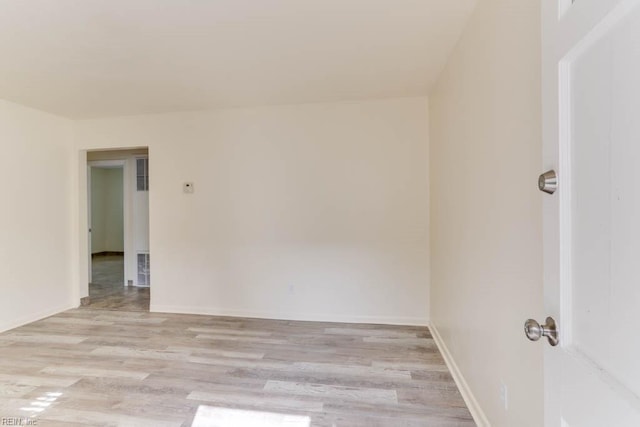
[(187, 187)]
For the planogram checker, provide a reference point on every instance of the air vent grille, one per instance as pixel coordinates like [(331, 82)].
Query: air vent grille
[(142, 174), (143, 270)]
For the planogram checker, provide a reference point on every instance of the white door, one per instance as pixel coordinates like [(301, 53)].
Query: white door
[(591, 115)]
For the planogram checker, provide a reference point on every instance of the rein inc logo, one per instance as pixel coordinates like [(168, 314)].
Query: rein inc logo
[(18, 421)]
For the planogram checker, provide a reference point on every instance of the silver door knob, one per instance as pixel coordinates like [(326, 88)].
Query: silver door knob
[(534, 331)]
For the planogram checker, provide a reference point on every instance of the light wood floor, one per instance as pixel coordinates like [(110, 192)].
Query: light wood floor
[(99, 367)]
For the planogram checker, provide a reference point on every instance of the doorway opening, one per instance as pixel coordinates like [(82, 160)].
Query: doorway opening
[(118, 237)]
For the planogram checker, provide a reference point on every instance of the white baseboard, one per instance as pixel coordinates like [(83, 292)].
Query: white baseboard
[(383, 320), (33, 317), (474, 407)]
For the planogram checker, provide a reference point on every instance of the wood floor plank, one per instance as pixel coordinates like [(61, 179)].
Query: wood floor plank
[(370, 333), (216, 352), (370, 395), (94, 372), (351, 370), (231, 331), (105, 418), (41, 338), (10, 389), (261, 401), (38, 380)]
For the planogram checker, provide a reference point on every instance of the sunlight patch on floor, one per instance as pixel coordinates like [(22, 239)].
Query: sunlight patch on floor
[(39, 405), (209, 416)]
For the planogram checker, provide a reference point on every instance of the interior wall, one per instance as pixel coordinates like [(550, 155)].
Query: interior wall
[(486, 232), (36, 218), (107, 215), (315, 212)]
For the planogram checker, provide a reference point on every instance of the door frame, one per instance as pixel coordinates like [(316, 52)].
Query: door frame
[(80, 245), (126, 220)]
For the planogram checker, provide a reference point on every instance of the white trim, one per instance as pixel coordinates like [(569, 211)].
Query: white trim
[(474, 407), (565, 174), (35, 317), (212, 311)]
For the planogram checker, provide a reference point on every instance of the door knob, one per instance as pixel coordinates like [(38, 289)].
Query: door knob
[(534, 331), (548, 182)]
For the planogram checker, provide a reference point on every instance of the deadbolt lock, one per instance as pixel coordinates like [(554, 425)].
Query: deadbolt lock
[(548, 182)]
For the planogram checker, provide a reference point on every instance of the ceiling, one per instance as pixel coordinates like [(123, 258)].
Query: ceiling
[(99, 58)]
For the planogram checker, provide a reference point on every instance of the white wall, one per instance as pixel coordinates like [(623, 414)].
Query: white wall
[(36, 215), (107, 216), (486, 232), (302, 212)]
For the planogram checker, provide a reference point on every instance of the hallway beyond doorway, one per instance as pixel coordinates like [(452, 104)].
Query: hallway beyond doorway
[(107, 290)]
